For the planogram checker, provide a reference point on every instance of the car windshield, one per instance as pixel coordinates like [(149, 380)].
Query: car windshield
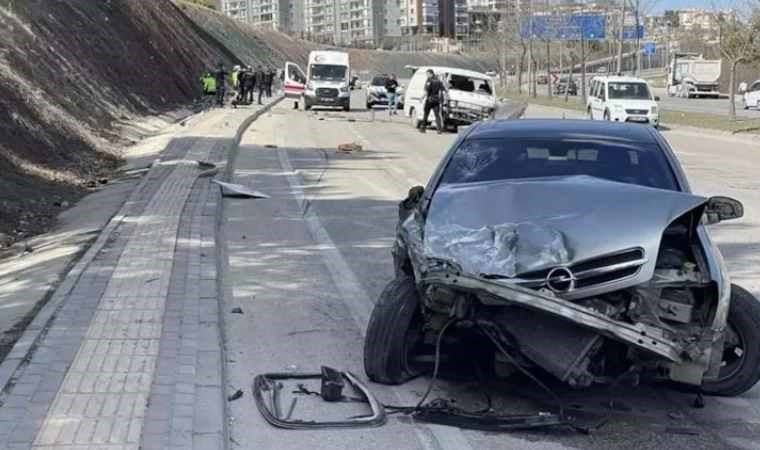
[(328, 72), (633, 91), (501, 159), (378, 81), (469, 84)]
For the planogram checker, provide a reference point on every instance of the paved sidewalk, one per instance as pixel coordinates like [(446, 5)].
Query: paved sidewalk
[(131, 356)]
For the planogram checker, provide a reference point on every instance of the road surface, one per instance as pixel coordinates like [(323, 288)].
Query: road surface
[(306, 265)]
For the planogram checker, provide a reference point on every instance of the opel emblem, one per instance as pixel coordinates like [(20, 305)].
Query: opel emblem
[(561, 280)]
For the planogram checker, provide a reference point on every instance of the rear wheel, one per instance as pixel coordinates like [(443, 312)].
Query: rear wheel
[(392, 333), (740, 367)]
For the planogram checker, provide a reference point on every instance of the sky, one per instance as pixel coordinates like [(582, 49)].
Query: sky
[(662, 5)]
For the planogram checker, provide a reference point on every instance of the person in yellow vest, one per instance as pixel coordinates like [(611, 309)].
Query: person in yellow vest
[(235, 77), (208, 83)]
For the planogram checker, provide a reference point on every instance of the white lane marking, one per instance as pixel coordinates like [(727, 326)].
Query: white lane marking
[(359, 304)]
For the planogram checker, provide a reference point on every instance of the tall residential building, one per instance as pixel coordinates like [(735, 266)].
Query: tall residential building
[(237, 9), (341, 22), (454, 21), (419, 17)]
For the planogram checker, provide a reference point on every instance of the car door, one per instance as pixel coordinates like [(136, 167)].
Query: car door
[(600, 100), (294, 81), (753, 96)]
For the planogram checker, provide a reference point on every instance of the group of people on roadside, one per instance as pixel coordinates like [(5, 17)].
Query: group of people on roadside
[(244, 80)]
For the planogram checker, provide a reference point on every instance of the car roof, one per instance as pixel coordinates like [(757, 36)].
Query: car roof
[(454, 71), (561, 129), (621, 79)]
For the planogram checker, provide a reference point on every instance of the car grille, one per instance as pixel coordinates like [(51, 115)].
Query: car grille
[(327, 92), (637, 111), (593, 272)]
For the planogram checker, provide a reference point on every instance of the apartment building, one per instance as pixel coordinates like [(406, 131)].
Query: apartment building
[(237, 9), (419, 17)]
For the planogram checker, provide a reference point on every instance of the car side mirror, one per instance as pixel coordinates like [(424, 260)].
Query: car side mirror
[(410, 202), (720, 209), (657, 98)]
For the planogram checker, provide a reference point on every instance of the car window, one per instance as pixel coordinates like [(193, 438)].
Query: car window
[(505, 159), (378, 81), (469, 84), (755, 87), (633, 91), (602, 94), (327, 72)]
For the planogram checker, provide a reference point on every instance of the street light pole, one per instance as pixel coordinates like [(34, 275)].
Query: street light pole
[(621, 37)]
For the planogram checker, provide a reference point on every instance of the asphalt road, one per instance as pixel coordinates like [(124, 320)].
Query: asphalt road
[(306, 265)]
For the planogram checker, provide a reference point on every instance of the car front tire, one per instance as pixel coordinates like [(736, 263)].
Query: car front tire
[(740, 368), (394, 319)]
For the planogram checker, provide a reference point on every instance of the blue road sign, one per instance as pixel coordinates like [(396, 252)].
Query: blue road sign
[(592, 27), (629, 33), (650, 48)]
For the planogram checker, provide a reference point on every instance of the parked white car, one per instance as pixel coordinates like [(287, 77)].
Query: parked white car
[(622, 99), (378, 95), (470, 96), (751, 97)]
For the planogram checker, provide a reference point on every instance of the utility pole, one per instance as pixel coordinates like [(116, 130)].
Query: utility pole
[(621, 37), (638, 40)]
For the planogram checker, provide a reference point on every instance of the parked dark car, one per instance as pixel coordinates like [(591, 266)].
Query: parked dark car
[(575, 247), (566, 84)]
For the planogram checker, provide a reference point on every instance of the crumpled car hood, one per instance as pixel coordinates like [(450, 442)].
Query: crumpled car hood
[(511, 227)]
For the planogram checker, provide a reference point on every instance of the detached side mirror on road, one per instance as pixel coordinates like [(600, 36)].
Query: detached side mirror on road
[(720, 209)]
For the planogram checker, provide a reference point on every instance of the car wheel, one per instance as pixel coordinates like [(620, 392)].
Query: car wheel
[(740, 367), (346, 108), (607, 116), (306, 105), (392, 331)]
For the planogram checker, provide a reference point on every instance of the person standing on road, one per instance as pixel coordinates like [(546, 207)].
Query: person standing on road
[(270, 81), (221, 77), (391, 85), (742, 87), (434, 92), (261, 78)]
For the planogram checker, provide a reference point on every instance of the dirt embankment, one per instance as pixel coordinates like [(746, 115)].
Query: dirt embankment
[(72, 71), (255, 46)]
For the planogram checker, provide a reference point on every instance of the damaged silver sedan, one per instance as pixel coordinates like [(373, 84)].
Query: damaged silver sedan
[(577, 249)]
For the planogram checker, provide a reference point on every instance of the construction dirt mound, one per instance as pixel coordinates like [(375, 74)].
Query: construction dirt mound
[(73, 73), (70, 73)]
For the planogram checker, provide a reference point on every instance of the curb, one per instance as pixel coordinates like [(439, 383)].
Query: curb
[(221, 255), (28, 341)]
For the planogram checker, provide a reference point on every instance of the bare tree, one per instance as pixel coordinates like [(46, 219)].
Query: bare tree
[(739, 44)]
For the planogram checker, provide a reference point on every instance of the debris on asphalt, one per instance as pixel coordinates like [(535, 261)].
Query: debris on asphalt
[(239, 191), (271, 385), (676, 415), (235, 396), (699, 402), (350, 147), (237, 310)]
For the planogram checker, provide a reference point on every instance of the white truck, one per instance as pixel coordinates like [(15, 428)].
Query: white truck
[(690, 76)]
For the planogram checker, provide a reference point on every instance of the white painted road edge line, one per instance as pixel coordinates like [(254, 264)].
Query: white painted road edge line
[(357, 301)]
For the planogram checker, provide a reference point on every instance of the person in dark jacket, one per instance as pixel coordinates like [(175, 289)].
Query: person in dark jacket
[(434, 93), (261, 79), (391, 85), (270, 80), (221, 77), (249, 85)]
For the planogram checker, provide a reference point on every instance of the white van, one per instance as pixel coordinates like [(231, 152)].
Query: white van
[(328, 79), (622, 99), (470, 96)]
